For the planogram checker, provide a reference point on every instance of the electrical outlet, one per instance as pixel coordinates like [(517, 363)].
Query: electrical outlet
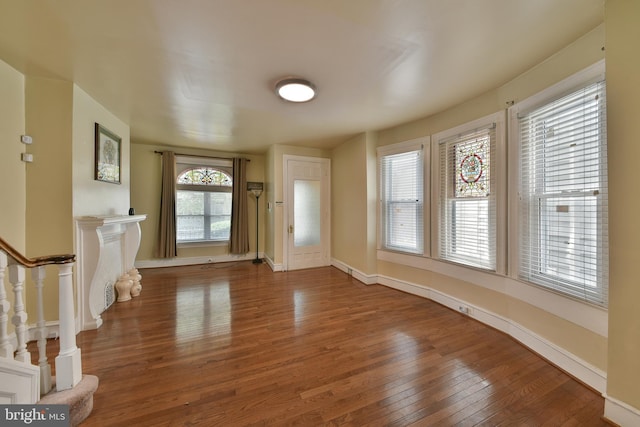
[(463, 309)]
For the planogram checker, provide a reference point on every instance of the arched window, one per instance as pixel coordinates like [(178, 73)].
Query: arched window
[(203, 202), (204, 176)]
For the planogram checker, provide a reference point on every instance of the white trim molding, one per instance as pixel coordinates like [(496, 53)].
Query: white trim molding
[(274, 267), (179, 262), (595, 319), (367, 279), (19, 382), (620, 413)]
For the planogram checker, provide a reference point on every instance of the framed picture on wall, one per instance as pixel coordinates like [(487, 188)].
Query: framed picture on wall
[(107, 167)]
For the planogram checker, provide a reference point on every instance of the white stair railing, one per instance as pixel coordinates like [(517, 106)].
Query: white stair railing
[(68, 362)]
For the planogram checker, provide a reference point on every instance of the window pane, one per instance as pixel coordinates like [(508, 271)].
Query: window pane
[(306, 196), (203, 215), (470, 237), (402, 207), (403, 231), (473, 168), (204, 176), (189, 203), (563, 209), (568, 238), (467, 205), (190, 227), (219, 215)]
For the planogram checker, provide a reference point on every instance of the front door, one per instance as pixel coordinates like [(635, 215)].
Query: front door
[(307, 222)]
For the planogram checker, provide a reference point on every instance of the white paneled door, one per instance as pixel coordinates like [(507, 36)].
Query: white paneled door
[(307, 222)]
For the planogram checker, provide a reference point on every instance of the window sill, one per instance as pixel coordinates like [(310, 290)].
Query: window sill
[(199, 243)]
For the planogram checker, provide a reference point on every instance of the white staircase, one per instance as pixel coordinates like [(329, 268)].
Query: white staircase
[(22, 382)]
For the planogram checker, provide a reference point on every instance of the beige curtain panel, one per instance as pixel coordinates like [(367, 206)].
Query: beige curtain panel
[(167, 242), (239, 240)]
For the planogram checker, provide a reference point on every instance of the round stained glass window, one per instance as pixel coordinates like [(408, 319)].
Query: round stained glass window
[(471, 168)]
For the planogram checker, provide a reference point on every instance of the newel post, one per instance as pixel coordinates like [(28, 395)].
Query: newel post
[(68, 362)]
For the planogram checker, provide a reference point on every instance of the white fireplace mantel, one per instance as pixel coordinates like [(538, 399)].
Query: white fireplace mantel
[(106, 248)]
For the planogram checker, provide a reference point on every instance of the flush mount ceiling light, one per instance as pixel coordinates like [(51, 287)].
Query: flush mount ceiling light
[(295, 90)]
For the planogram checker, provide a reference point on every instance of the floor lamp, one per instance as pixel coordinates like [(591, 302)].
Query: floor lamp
[(256, 189)]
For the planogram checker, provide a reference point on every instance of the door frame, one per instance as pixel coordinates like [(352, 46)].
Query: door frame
[(325, 204)]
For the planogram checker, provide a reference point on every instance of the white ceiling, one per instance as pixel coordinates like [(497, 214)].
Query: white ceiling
[(200, 73)]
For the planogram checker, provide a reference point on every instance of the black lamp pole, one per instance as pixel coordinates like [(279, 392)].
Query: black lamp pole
[(256, 189), (257, 194)]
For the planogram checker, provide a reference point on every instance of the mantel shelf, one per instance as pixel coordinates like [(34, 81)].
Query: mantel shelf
[(98, 220)]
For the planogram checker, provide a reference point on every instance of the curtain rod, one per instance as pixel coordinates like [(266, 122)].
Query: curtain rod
[(197, 155)]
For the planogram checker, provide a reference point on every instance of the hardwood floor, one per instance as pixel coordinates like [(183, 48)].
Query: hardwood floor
[(235, 344)]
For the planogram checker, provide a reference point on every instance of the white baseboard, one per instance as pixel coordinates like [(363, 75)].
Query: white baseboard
[(367, 279), (272, 265), (620, 413), (585, 372), (178, 262)]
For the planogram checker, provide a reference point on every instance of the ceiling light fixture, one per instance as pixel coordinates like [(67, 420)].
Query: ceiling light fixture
[(295, 90)]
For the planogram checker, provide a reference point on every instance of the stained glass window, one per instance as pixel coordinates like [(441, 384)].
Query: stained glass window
[(204, 176), (467, 207), (472, 158)]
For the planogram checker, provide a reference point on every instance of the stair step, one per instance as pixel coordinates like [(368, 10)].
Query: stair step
[(79, 399)]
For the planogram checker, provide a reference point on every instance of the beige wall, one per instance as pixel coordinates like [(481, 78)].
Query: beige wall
[(49, 121), (622, 18), (91, 197), (13, 180), (146, 173), (584, 343), (49, 106), (353, 223), (60, 117)]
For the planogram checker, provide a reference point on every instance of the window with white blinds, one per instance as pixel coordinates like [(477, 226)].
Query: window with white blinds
[(203, 199), (467, 212), (563, 194), (402, 199)]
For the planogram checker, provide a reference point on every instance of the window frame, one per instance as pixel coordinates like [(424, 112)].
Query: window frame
[(423, 144), (498, 188), (572, 84), (184, 163)]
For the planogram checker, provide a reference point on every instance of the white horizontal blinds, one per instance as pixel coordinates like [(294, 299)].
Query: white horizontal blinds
[(402, 203), (563, 210), (467, 198)]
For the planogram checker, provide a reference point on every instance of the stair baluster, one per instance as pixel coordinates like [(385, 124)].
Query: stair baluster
[(6, 349), (19, 319), (38, 275)]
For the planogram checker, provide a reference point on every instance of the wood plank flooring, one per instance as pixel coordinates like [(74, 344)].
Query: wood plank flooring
[(235, 344)]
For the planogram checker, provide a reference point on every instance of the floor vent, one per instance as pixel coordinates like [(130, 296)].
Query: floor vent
[(109, 296)]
